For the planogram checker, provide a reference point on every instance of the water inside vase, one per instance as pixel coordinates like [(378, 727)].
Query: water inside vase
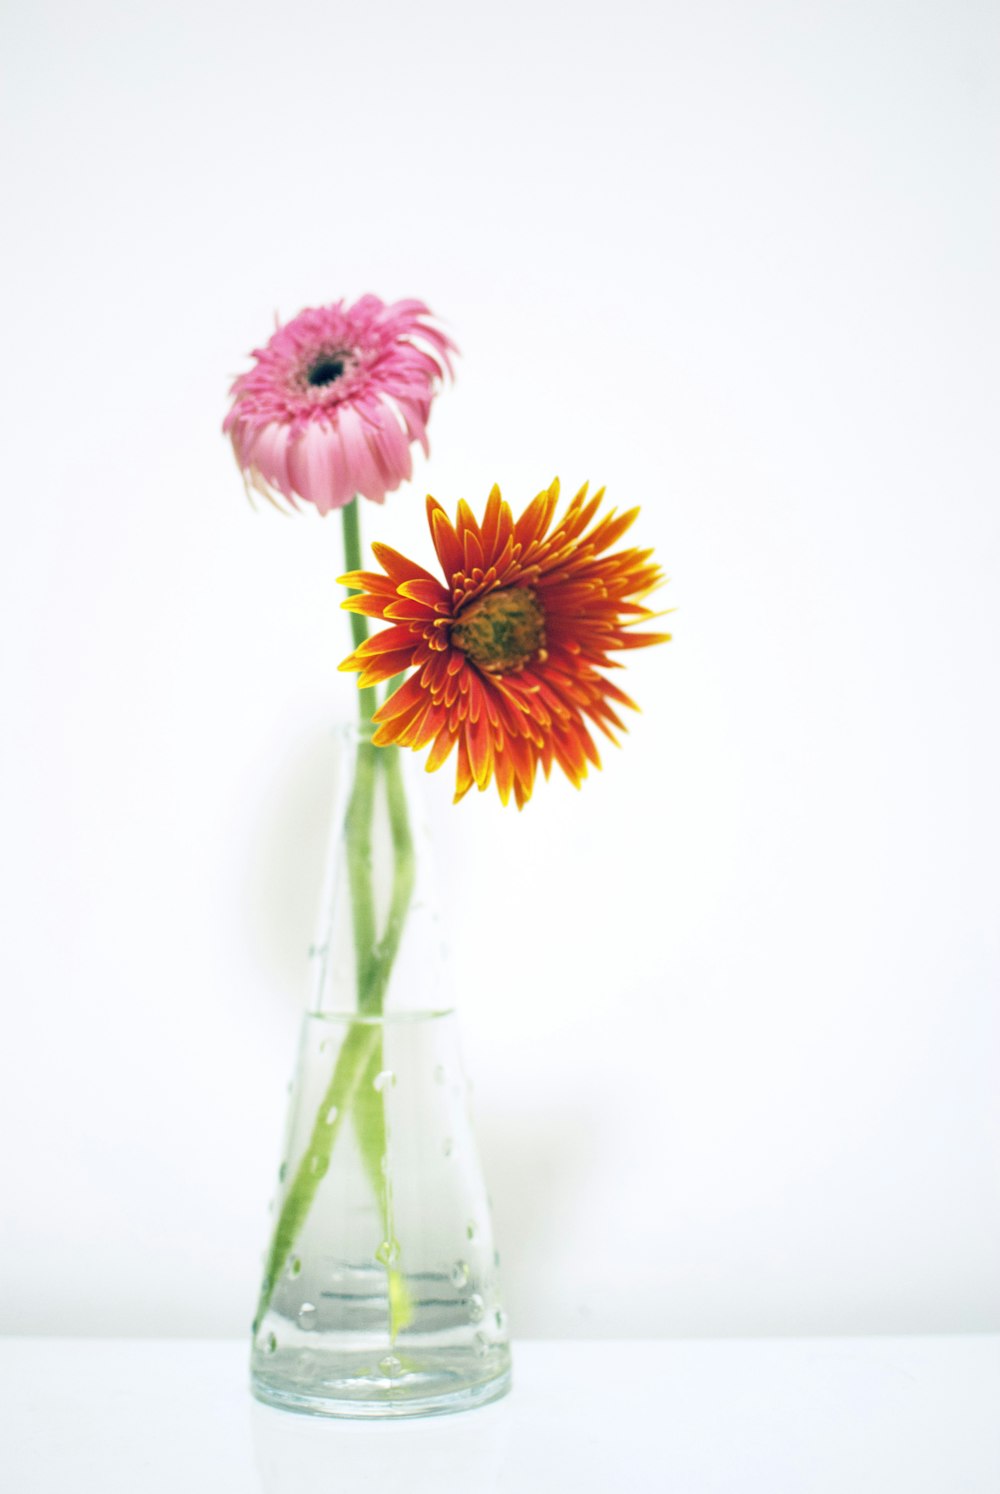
[(381, 1292)]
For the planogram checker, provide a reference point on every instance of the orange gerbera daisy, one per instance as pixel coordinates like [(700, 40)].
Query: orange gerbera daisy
[(508, 653)]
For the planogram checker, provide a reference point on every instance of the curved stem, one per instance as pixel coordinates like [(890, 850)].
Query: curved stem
[(362, 802), (367, 701), (404, 875), (369, 1110), (351, 1088), (358, 837), (359, 1043)]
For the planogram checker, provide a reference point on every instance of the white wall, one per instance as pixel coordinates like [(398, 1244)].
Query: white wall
[(738, 261)]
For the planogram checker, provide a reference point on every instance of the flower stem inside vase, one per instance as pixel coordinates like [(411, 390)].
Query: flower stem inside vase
[(324, 1347), (356, 1086)]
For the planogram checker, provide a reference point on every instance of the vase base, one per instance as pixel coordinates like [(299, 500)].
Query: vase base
[(373, 1399)]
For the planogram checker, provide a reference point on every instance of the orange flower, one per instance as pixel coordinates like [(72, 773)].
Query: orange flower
[(508, 653)]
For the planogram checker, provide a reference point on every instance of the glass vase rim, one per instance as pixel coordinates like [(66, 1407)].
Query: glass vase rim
[(355, 732), (383, 1019)]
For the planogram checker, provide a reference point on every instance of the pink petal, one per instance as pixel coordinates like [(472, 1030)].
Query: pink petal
[(311, 467), (359, 462), (269, 454), (415, 413), (388, 440)]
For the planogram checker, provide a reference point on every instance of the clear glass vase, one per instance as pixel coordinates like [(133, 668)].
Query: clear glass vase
[(380, 1294)]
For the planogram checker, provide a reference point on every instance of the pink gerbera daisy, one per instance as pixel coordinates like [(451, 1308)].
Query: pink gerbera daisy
[(334, 401)]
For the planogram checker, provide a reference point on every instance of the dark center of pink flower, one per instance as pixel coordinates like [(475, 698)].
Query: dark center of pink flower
[(501, 631), (325, 372)]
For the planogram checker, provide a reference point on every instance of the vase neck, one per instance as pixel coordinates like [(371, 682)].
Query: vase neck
[(378, 945)]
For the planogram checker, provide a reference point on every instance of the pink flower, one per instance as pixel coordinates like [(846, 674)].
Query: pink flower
[(335, 399)]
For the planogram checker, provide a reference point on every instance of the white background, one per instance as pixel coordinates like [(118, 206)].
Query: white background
[(736, 1067)]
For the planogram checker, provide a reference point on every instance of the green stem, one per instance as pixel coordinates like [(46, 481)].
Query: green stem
[(358, 836), (404, 874), (362, 802), (341, 1093), (367, 701), (369, 1109), (351, 1087)]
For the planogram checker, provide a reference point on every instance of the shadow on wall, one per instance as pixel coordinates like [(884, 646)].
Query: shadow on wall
[(285, 864)]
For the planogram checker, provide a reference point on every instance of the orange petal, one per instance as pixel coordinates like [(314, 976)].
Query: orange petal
[(491, 523), (426, 590), (401, 700), (612, 528), (463, 775), (439, 753), (534, 521), (384, 666), (414, 734), (367, 581), (368, 606), (503, 766), (466, 521), (445, 541), (642, 640), (480, 743), (472, 551), (405, 610), (397, 567), (385, 641)]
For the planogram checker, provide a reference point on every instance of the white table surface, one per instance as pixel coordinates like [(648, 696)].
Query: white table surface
[(886, 1415)]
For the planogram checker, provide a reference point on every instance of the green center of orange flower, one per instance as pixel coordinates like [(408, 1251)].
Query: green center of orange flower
[(501, 631)]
